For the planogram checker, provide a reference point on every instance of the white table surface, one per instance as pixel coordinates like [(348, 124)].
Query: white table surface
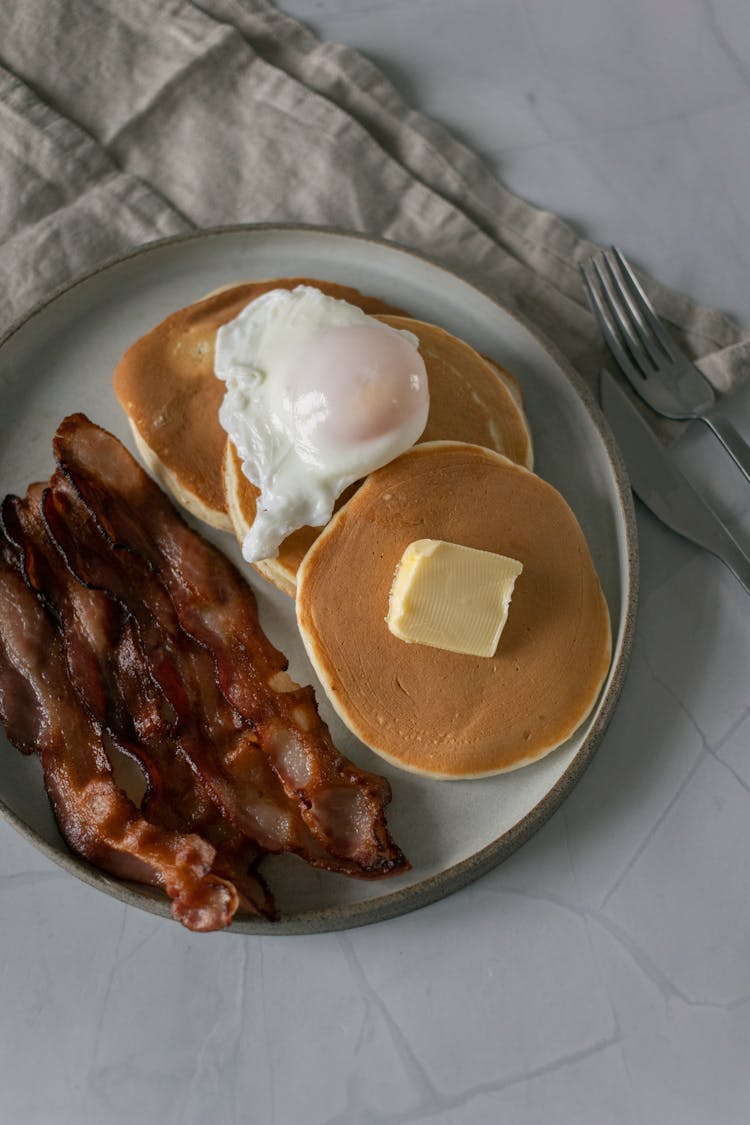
[(602, 974)]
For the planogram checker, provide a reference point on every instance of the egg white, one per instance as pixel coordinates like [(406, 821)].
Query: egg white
[(300, 473)]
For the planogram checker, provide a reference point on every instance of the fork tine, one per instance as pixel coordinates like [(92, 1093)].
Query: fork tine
[(606, 323), (635, 319), (621, 318), (639, 298)]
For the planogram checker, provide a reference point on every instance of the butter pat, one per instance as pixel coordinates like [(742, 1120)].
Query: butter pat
[(451, 597)]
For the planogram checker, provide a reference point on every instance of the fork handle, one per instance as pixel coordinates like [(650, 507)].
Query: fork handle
[(733, 442)]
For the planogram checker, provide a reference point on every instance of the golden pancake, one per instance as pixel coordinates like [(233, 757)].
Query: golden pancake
[(440, 713), (166, 384), (511, 383), (468, 401), (241, 498), (472, 399)]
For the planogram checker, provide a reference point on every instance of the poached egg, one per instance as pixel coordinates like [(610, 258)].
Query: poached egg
[(318, 395)]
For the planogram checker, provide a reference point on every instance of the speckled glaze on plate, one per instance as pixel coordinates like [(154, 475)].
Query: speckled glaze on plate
[(60, 358)]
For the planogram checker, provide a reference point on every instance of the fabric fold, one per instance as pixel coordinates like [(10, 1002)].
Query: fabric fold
[(66, 205), (221, 111)]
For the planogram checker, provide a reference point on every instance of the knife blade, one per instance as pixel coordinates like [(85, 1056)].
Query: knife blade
[(663, 488)]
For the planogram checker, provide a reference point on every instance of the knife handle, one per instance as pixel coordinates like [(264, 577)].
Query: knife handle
[(733, 442)]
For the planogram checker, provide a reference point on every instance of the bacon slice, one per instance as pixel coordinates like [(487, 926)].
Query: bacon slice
[(96, 818), (108, 671), (342, 804), (221, 750), (90, 623), (177, 797)]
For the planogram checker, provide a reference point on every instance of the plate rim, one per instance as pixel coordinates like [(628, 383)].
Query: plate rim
[(443, 883)]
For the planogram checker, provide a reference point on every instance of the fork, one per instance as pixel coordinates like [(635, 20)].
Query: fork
[(655, 366)]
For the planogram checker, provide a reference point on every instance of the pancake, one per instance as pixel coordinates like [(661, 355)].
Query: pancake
[(511, 383), (241, 496), (440, 713), (166, 384), (472, 399)]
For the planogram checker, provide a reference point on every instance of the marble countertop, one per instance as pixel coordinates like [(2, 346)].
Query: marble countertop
[(601, 975)]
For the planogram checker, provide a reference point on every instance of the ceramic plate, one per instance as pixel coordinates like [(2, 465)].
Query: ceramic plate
[(60, 359)]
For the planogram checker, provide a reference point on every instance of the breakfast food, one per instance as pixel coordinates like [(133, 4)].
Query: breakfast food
[(42, 713), (471, 400), (376, 468), (436, 712), (123, 629), (166, 384), (318, 394), (241, 499), (451, 596), (321, 387), (110, 674), (342, 804)]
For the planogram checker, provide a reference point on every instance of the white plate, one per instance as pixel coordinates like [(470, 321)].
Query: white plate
[(60, 359)]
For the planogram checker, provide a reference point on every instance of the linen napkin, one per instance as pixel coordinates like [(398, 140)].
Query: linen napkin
[(123, 121)]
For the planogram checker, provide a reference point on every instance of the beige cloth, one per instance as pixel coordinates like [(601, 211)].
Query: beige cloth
[(127, 120)]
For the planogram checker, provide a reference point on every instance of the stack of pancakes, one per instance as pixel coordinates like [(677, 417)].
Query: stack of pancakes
[(468, 481)]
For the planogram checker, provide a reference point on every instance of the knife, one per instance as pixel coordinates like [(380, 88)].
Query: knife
[(663, 488)]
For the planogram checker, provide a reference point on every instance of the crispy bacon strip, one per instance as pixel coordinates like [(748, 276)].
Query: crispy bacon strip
[(342, 804), (96, 818), (90, 623), (108, 671), (178, 799), (222, 751)]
